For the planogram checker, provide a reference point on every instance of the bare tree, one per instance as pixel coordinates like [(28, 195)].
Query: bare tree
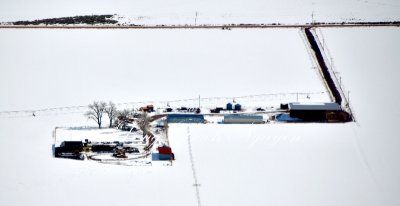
[(144, 123), (96, 111), (123, 113), (111, 111)]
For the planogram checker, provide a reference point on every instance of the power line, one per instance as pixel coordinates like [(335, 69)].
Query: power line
[(82, 108), (196, 182)]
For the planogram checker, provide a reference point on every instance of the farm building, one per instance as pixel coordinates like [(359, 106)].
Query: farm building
[(69, 149), (286, 118), (313, 111), (164, 153), (229, 106), (243, 119), (185, 118), (238, 107)]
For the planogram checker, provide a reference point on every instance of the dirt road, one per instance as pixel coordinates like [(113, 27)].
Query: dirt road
[(226, 27)]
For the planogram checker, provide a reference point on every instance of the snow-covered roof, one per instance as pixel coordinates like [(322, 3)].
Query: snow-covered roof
[(93, 134), (185, 118), (254, 117), (331, 106)]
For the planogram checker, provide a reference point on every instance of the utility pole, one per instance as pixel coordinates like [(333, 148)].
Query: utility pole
[(312, 17), (195, 19), (348, 98), (199, 101)]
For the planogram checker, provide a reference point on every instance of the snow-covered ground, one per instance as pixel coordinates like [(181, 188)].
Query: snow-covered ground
[(314, 164), (95, 135), (270, 164), (278, 164), (367, 60), (208, 11), (76, 67)]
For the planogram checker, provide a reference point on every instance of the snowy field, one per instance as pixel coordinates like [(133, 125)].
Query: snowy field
[(208, 11), (280, 164), (367, 60), (76, 67), (335, 164), (271, 164), (277, 164)]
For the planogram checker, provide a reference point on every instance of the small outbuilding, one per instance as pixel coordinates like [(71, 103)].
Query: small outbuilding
[(229, 106), (164, 153), (69, 149), (238, 107), (286, 118)]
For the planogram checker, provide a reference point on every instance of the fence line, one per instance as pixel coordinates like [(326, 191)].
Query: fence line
[(327, 55)]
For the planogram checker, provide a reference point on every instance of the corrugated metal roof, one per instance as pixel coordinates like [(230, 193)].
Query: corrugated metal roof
[(331, 106), (243, 117), (185, 118)]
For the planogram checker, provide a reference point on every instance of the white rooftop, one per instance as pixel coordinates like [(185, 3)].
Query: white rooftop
[(315, 106)]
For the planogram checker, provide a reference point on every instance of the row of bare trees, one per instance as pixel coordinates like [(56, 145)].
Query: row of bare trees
[(98, 109)]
